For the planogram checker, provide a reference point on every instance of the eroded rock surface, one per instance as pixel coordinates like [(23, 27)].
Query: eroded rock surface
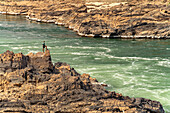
[(135, 19), (32, 83)]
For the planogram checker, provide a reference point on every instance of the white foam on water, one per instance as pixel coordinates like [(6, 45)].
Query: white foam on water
[(163, 74), (57, 47), (161, 91), (118, 75), (60, 53), (99, 54), (147, 90), (128, 73), (90, 69), (144, 80), (31, 47), (103, 71), (25, 47), (17, 47), (144, 84), (131, 81), (4, 45), (103, 54), (125, 58), (105, 48), (76, 58), (150, 94), (136, 58), (159, 96), (97, 58), (86, 47), (76, 53), (164, 63), (134, 81), (77, 43)]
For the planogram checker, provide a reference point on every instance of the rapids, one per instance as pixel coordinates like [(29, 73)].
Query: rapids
[(137, 68)]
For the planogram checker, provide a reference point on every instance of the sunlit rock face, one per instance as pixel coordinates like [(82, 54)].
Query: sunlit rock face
[(136, 19), (32, 83)]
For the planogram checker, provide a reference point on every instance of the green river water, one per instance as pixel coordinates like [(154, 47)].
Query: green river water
[(139, 68)]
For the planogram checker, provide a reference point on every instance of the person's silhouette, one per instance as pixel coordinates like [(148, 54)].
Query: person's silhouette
[(44, 46)]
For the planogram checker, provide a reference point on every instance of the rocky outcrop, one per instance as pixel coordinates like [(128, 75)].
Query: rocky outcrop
[(10, 62), (135, 19), (32, 83)]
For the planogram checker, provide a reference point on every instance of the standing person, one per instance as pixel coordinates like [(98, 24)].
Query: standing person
[(44, 46)]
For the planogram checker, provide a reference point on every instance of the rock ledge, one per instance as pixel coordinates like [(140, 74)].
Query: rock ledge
[(127, 20)]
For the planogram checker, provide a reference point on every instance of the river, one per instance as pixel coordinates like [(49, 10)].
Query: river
[(135, 68)]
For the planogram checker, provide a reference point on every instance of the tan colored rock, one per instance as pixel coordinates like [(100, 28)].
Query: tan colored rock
[(109, 19)]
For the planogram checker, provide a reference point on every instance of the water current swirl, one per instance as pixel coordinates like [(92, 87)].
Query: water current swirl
[(139, 68)]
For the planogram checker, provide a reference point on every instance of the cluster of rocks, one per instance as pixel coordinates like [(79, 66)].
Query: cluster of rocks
[(119, 20), (32, 83)]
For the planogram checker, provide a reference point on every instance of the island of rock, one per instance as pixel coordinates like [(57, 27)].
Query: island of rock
[(134, 19), (32, 83)]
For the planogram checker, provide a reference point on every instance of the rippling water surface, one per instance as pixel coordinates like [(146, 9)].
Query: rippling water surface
[(138, 68)]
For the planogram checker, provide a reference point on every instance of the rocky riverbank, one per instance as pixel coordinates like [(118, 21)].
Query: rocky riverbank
[(134, 19), (32, 83)]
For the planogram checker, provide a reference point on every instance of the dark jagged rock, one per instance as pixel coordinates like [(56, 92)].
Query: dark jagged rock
[(34, 84)]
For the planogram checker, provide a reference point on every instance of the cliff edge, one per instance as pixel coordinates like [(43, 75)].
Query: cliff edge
[(32, 83)]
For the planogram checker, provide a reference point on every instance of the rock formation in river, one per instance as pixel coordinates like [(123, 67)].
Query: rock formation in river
[(125, 20), (32, 83)]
